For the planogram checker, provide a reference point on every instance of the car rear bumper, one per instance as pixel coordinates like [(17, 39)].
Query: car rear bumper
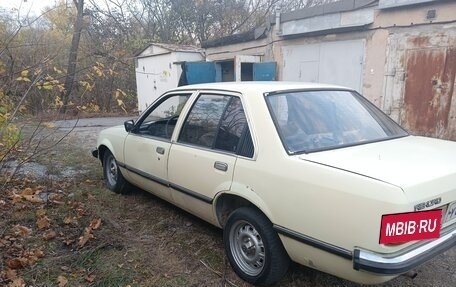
[(403, 261)]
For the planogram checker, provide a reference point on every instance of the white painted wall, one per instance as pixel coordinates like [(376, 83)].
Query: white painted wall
[(156, 74)]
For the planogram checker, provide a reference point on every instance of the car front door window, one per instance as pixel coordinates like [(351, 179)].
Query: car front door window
[(161, 120)]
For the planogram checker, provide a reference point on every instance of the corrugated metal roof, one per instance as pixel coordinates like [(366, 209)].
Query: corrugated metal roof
[(172, 48), (329, 8), (253, 34)]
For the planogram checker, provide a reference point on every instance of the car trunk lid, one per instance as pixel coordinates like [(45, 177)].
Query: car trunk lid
[(424, 168)]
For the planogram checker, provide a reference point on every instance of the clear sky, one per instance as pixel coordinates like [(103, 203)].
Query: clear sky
[(34, 6)]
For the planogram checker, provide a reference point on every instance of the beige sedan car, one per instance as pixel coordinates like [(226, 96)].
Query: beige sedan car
[(292, 171)]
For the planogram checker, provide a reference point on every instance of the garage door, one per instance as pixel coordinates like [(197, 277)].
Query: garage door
[(339, 63)]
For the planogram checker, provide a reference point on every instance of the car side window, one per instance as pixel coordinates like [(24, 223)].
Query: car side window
[(201, 125), (161, 120), (218, 122), (232, 125)]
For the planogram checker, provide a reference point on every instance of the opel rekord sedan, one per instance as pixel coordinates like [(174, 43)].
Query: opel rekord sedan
[(292, 171)]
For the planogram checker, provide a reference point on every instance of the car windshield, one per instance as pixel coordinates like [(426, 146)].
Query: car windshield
[(309, 121)]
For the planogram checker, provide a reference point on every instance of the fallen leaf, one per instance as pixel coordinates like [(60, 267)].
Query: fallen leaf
[(27, 191), (49, 235), (40, 212), (29, 257), (22, 231), (70, 220), (43, 222), (62, 281), (18, 282), (10, 274), (55, 197), (33, 198), (81, 212), (90, 278), (37, 252), (15, 197), (79, 208), (95, 224), (86, 236), (16, 263), (3, 242)]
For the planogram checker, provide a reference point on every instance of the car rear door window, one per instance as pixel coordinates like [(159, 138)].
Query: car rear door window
[(201, 125), (232, 125), (216, 122)]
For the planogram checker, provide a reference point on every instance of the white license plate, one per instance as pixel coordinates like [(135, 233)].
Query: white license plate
[(451, 212)]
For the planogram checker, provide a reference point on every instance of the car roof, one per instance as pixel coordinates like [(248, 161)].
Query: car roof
[(261, 86)]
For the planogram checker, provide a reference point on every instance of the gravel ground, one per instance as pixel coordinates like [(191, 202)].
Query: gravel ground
[(441, 271), (88, 129)]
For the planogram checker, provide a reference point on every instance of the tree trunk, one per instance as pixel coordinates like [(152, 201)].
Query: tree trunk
[(71, 69)]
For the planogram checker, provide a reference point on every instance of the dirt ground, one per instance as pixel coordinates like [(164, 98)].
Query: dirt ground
[(61, 228)]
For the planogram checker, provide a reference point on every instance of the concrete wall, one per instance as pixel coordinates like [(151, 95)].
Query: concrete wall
[(260, 48), (399, 42)]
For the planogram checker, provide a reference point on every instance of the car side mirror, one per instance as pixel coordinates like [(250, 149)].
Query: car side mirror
[(129, 125)]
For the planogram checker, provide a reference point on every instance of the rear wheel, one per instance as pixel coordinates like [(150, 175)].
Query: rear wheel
[(113, 176), (253, 248)]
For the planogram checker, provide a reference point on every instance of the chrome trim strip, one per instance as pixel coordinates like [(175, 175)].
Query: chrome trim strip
[(403, 261), (342, 252), (167, 183)]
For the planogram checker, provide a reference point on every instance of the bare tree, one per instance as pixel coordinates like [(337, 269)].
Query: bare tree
[(72, 58)]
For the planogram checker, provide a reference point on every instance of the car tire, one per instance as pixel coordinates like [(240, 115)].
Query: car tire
[(253, 248), (113, 176)]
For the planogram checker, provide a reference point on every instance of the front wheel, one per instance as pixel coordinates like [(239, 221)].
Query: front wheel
[(253, 248), (113, 176)]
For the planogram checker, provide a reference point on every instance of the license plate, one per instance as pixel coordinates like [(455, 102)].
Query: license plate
[(451, 212), (405, 227)]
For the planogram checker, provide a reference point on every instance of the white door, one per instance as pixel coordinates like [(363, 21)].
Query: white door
[(201, 163), (147, 146)]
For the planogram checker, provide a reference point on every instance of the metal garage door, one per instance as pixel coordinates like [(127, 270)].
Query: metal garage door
[(339, 63), (429, 89)]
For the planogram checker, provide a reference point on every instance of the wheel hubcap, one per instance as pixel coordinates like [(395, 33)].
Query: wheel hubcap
[(247, 248), (112, 171)]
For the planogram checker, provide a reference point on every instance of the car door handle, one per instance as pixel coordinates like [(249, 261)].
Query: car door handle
[(160, 150), (221, 166)]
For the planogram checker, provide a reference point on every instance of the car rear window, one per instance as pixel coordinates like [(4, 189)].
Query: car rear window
[(310, 121)]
